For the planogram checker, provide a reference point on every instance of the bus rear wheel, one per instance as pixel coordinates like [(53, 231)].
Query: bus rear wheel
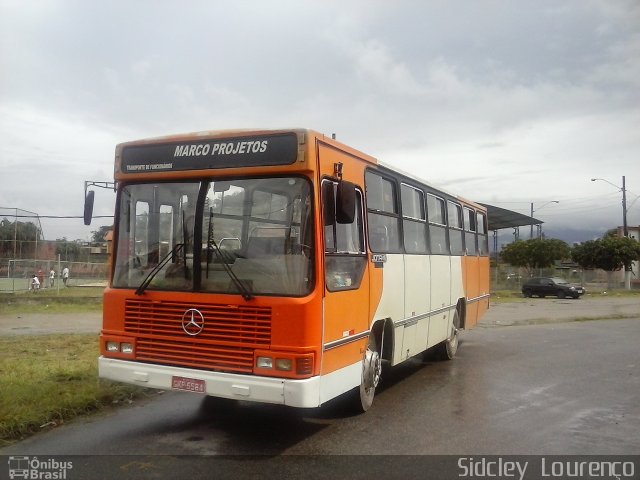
[(371, 373), (448, 349)]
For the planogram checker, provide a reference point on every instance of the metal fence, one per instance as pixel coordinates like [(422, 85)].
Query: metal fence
[(506, 277), (16, 275)]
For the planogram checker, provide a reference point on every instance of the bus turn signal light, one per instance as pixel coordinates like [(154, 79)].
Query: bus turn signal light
[(304, 365)]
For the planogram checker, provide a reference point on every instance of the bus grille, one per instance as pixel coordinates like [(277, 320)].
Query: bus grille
[(229, 337)]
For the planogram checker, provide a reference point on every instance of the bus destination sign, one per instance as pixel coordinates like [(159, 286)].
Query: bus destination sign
[(256, 151)]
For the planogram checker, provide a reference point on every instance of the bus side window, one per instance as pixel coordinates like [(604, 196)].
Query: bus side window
[(483, 238), (470, 231), (456, 232), (437, 225), (382, 214), (414, 220)]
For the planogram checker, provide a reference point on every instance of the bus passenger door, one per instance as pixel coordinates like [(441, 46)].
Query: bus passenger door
[(346, 301)]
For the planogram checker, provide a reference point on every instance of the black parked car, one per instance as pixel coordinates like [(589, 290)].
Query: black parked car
[(552, 286)]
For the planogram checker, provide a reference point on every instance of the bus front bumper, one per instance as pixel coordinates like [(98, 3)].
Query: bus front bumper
[(295, 393)]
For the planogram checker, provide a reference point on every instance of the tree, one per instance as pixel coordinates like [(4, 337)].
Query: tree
[(535, 253), (586, 254), (99, 235), (25, 234), (610, 253), (622, 251), (68, 250)]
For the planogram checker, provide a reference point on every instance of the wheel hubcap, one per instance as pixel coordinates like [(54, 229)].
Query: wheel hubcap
[(453, 339), (372, 369)]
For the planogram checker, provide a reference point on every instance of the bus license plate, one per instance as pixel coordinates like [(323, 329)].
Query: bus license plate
[(187, 384)]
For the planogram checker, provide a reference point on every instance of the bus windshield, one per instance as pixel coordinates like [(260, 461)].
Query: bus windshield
[(245, 236)]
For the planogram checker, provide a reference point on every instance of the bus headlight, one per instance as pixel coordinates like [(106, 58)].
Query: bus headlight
[(283, 364), (264, 362), (117, 347)]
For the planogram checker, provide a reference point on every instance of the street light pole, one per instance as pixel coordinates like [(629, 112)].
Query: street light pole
[(531, 232), (625, 229), (532, 210)]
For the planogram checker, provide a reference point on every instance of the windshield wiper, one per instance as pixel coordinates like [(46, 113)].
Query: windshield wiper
[(154, 271), (244, 291)]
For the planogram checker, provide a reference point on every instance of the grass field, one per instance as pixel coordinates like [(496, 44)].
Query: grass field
[(47, 380), (68, 300)]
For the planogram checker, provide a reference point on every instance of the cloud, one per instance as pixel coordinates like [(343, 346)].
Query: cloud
[(513, 102)]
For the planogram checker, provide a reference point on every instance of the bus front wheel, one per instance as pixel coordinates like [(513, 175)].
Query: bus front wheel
[(371, 373)]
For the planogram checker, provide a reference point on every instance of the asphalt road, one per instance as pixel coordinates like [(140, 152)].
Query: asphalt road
[(528, 381)]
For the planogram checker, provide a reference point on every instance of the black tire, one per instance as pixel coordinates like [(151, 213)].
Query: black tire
[(527, 293), (561, 294)]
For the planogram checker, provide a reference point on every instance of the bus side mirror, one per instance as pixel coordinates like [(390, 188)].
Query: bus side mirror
[(88, 207), (345, 202)]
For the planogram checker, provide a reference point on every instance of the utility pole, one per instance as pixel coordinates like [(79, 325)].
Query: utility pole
[(531, 232), (625, 232), (539, 208), (625, 229)]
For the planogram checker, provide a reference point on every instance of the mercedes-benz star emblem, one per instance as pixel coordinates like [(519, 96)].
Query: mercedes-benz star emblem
[(192, 322)]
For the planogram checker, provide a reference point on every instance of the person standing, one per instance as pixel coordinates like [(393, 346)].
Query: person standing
[(65, 275), (52, 277)]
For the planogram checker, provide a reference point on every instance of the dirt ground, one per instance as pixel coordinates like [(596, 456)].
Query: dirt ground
[(46, 323), (549, 310), (527, 311)]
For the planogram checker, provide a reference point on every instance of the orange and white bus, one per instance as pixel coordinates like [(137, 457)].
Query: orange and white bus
[(282, 266)]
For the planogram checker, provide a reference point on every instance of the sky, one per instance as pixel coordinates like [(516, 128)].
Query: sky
[(510, 103)]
